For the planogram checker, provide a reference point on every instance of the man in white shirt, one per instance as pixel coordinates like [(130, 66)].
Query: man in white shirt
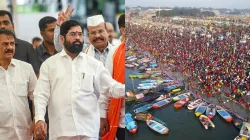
[(110, 29), (17, 81), (102, 50), (70, 83)]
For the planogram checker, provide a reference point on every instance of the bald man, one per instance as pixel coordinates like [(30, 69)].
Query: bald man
[(111, 32)]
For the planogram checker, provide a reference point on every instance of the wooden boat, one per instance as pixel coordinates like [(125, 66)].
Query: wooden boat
[(211, 110), (147, 84), (147, 87), (158, 127), (237, 120), (181, 96), (194, 104), (161, 98), (144, 76), (245, 130), (129, 66), (133, 75), (200, 109), (161, 103), (149, 97), (143, 116), (143, 108), (135, 64), (130, 123), (167, 88), (206, 122), (224, 114), (181, 102)]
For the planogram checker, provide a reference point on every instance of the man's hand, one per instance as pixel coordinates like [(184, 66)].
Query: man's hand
[(63, 16), (41, 130), (104, 128)]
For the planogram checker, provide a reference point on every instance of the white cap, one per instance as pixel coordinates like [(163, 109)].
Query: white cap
[(95, 20)]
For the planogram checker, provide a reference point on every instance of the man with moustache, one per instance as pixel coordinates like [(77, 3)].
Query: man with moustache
[(24, 51), (70, 83), (17, 81), (102, 50)]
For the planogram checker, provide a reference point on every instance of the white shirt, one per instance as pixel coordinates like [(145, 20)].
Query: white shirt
[(71, 89), (16, 83)]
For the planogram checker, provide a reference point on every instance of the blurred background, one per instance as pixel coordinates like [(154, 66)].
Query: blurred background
[(27, 13)]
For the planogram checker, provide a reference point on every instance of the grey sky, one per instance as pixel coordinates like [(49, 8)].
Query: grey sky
[(230, 4)]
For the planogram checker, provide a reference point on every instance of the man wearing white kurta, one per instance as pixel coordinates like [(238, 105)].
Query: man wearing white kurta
[(102, 51), (17, 81), (70, 83)]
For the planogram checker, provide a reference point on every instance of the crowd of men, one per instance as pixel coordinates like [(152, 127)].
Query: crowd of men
[(66, 93), (216, 56)]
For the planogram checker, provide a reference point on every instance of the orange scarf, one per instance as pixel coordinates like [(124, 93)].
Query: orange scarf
[(115, 104)]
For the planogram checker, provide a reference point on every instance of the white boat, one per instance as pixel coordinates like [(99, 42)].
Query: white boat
[(158, 127), (245, 130), (146, 87), (147, 84), (194, 104), (181, 96)]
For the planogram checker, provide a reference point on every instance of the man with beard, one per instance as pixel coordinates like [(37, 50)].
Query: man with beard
[(17, 81), (70, 83), (102, 50)]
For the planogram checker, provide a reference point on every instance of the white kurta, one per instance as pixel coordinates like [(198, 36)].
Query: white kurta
[(16, 83), (71, 89), (103, 102)]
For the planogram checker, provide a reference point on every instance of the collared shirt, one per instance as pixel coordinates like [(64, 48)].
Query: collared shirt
[(25, 52), (42, 54), (16, 83), (71, 89), (102, 56)]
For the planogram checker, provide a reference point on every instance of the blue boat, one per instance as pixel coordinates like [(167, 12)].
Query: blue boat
[(161, 103), (157, 126), (200, 109), (130, 123), (224, 114), (143, 108), (149, 98), (167, 88)]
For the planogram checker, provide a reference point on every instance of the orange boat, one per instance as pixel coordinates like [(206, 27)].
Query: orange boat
[(181, 103)]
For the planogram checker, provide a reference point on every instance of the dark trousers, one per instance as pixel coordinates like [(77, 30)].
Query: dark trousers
[(120, 134)]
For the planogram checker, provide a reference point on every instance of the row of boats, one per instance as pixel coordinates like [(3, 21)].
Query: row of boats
[(203, 109)]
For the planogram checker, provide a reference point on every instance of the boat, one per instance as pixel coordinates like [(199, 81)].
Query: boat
[(181, 102), (147, 84), (206, 122), (135, 64), (133, 75), (181, 96), (144, 76), (211, 110), (237, 120), (161, 103), (194, 104), (129, 66), (161, 98), (130, 57), (147, 87), (200, 109), (143, 116), (245, 130), (167, 88), (141, 69), (143, 108), (158, 127), (149, 97), (130, 123), (224, 114), (175, 90)]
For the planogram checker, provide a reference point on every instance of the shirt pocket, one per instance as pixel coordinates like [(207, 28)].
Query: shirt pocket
[(21, 89), (86, 82)]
